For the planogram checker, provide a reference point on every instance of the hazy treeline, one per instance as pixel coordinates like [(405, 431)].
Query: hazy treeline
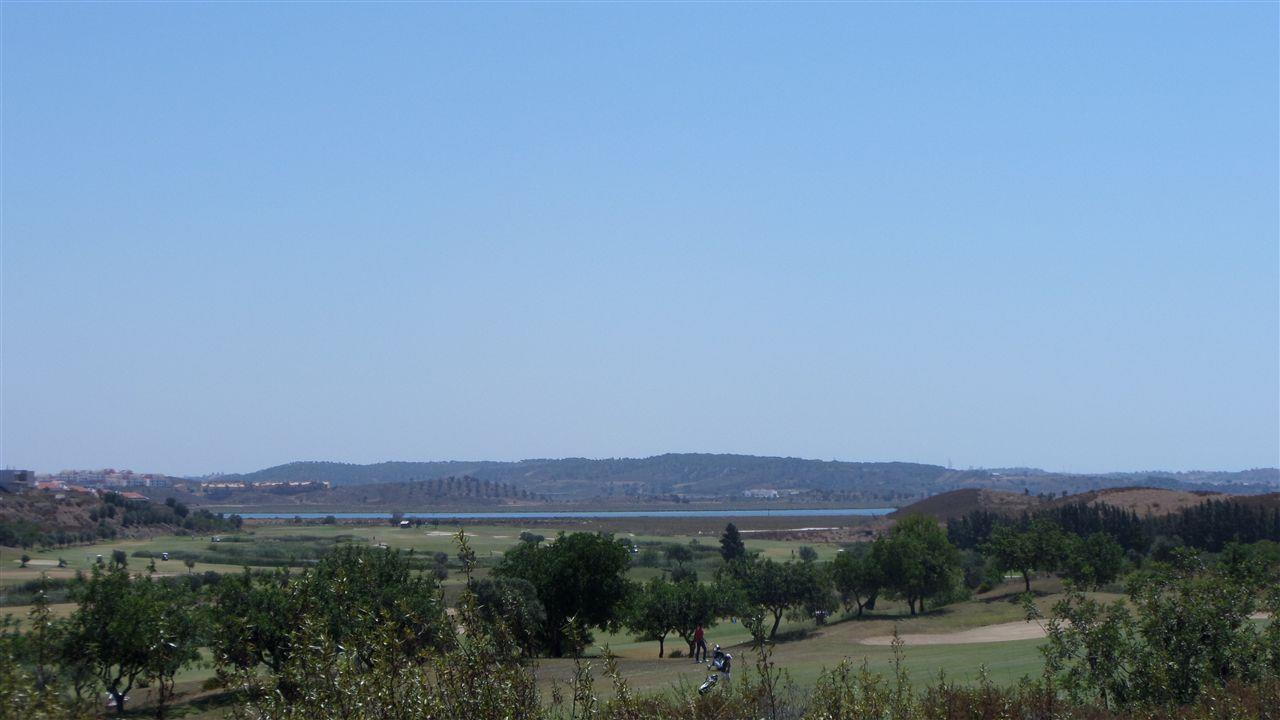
[(1211, 525)]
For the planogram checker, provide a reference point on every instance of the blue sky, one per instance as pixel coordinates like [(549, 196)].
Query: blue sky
[(236, 235)]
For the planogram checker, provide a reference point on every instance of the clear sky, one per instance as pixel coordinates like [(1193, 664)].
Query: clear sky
[(236, 235)]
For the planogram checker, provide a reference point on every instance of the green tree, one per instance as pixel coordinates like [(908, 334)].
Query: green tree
[(662, 607), (1253, 562), (24, 560), (254, 620), (857, 580), (682, 572), (580, 579), (41, 639), (698, 604), (116, 627), (651, 612), (356, 587), (917, 561), (512, 602), (775, 588), (678, 554), (27, 693), (180, 630), (1039, 547), (808, 554), (820, 599), (731, 546), (1092, 561), (481, 675), (1186, 629)]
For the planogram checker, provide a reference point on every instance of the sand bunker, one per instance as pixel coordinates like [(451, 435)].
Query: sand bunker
[(1003, 632)]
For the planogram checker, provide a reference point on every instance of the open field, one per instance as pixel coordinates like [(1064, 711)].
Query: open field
[(293, 545)]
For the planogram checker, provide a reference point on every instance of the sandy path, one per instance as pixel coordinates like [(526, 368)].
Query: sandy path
[(1004, 632)]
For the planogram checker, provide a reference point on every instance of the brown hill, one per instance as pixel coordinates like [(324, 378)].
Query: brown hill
[(1146, 501), (958, 503)]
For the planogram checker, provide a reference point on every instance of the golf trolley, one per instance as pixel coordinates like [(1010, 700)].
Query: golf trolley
[(721, 661)]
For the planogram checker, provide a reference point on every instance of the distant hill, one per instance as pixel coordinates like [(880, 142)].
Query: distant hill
[(710, 476), (689, 475)]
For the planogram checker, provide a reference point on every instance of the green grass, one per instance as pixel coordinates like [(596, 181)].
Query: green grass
[(822, 648)]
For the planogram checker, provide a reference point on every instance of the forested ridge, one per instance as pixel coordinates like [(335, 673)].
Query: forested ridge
[(713, 475)]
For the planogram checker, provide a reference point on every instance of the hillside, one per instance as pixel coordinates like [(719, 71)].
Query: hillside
[(40, 518), (1146, 502), (958, 503), (708, 476)]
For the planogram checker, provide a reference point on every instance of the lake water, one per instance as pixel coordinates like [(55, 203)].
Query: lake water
[(566, 514)]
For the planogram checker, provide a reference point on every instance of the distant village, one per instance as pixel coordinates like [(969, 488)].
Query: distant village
[(94, 482), (89, 482)]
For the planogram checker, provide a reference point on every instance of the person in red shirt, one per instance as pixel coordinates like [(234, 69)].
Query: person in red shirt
[(699, 645)]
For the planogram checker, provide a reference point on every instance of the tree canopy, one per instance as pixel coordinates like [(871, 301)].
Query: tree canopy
[(917, 560), (857, 579), (1039, 547), (731, 546), (579, 579)]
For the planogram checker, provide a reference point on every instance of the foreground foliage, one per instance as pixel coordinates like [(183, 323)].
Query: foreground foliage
[(1181, 647)]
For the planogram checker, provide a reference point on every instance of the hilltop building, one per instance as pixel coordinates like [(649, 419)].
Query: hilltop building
[(16, 481)]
